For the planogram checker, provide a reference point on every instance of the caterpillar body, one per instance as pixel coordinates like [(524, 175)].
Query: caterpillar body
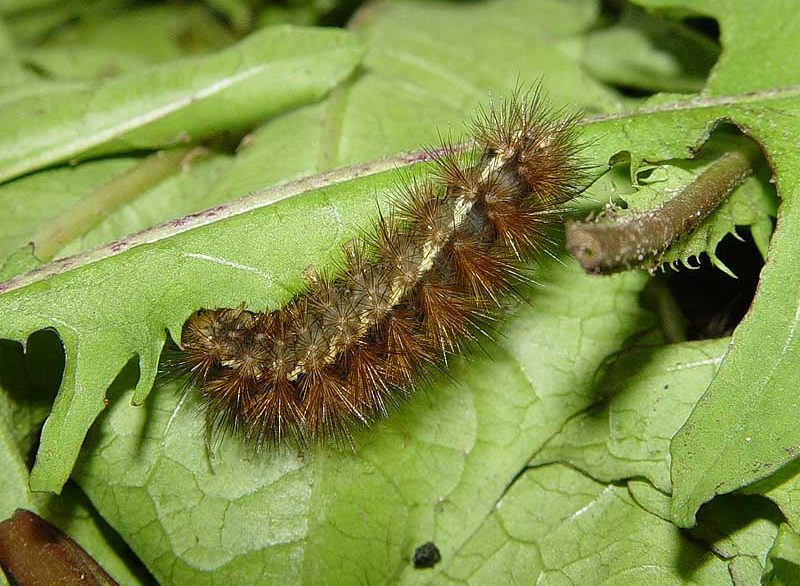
[(428, 277)]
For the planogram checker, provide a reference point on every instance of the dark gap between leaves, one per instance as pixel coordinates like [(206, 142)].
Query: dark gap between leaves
[(713, 302), (708, 27)]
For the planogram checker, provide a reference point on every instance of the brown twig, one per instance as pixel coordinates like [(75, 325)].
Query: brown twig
[(606, 246)]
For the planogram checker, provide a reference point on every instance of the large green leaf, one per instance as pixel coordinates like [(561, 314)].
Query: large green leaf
[(745, 427), (193, 269), (30, 199), (588, 533), (783, 487), (35, 24), (268, 72), (11, 69), (319, 138), (643, 398), (108, 43)]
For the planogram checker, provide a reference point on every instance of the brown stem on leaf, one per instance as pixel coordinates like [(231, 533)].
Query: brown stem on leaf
[(109, 196), (605, 246)]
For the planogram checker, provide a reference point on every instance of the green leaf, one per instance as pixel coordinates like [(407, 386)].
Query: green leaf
[(35, 25), (11, 70), (588, 533), (745, 427), (642, 399), (782, 487), (270, 71), (649, 53), (77, 63), (102, 45), (237, 12), (27, 386), (784, 559), (754, 57), (31, 203), (30, 198), (190, 272), (740, 528), (322, 137), (650, 498), (15, 5), (188, 191)]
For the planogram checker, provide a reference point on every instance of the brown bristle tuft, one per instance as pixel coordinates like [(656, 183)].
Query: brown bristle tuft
[(367, 371), (446, 315), (484, 272), (404, 348), (276, 415), (454, 170), (328, 405), (412, 291)]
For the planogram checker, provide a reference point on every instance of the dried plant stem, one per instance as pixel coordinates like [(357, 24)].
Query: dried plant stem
[(605, 246), (108, 197)]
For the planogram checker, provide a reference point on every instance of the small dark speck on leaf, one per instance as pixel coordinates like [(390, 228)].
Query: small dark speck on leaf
[(426, 555)]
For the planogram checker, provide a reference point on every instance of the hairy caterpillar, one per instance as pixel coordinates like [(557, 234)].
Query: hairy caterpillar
[(428, 277)]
